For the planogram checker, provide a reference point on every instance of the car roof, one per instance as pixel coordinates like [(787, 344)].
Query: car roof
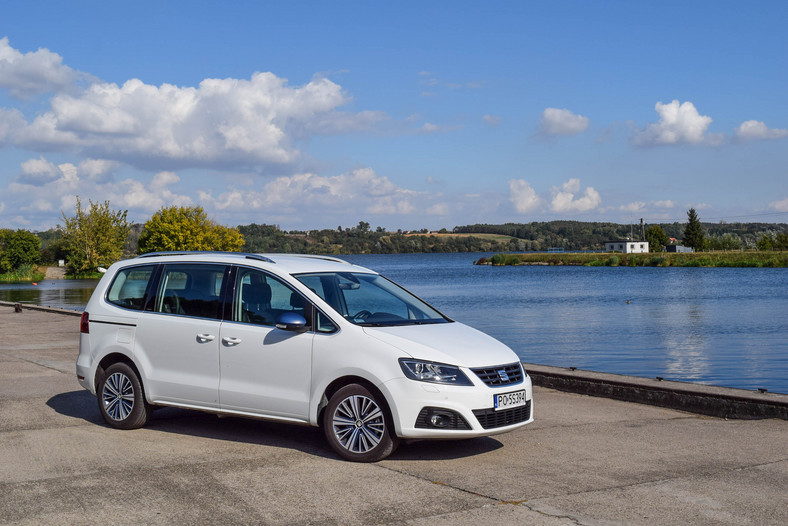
[(278, 263)]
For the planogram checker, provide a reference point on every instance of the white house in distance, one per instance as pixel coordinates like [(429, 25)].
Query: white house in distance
[(627, 247)]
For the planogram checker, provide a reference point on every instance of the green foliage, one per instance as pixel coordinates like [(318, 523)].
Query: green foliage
[(94, 237), (187, 228), (18, 248), (23, 273), (361, 240), (781, 241), (577, 235), (657, 238), (505, 259), (726, 241), (765, 243), (53, 246), (703, 259), (693, 233)]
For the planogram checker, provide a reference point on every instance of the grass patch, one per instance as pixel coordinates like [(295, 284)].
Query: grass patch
[(23, 273)]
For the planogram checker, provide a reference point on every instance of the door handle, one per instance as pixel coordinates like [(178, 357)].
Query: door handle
[(229, 340), (202, 338)]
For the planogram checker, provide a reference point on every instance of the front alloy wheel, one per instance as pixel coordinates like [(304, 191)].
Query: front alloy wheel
[(356, 426)]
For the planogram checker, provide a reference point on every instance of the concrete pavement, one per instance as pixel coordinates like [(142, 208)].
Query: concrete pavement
[(584, 460)]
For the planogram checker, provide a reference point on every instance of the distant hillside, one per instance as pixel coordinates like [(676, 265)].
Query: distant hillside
[(577, 235)]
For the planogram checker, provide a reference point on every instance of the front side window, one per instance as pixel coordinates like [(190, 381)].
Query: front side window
[(261, 299), (370, 299), (128, 289), (191, 290)]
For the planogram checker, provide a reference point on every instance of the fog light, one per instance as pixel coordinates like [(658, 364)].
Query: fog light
[(439, 421), (439, 418)]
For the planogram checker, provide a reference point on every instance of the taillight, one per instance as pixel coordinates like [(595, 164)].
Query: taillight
[(84, 326)]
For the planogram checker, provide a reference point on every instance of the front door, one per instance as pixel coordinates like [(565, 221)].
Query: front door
[(264, 371)]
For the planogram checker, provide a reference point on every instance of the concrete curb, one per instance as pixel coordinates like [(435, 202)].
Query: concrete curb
[(29, 306), (722, 402)]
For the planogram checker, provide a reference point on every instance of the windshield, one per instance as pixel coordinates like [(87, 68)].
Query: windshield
[(370, 299)]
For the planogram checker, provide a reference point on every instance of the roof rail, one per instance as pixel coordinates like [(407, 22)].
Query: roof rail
[(258, 257), (318, 256)]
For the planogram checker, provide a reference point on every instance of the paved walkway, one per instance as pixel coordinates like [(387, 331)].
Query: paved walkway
[(584, 461), (55, 273)]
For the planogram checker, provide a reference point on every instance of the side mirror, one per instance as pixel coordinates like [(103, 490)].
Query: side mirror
[(291, 321)]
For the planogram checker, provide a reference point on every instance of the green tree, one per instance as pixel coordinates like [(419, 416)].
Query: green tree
[(781, 241), (657, 238), (726, 241), (187, 228), (18, 248), (94, 237), (693, 232), (765, 243)]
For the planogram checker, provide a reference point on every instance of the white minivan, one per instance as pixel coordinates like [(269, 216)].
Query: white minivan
[(304, 339)]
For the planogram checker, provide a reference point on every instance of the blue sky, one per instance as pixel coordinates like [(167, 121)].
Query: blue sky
[(402, 114)]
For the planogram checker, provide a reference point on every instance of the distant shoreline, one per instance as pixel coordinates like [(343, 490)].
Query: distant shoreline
[(752, 259)]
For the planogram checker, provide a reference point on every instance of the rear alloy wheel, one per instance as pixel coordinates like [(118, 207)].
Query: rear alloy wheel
[(121, 399), (356, 425)]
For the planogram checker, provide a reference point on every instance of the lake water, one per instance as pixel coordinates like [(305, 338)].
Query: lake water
[(718, 326)]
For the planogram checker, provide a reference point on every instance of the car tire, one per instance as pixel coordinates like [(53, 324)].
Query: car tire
[(357, 425), (121, 399)]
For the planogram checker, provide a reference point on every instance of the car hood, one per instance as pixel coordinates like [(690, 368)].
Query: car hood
[(450, 343)]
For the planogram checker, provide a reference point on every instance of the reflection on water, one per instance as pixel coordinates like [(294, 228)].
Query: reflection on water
[(63, 293)]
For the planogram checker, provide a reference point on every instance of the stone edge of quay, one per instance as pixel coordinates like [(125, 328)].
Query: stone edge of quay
[(721, 402)]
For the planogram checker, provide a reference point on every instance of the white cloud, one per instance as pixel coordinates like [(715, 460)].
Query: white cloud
[(564, 198), (428, 127), (133, 194), (637, 206), (523, 196), (664, 204), (11, 120), (38, 172), (98, 170), (678, 123), (492, 120), (362, 189), (438, 209), (28, 75), (780, 206), (43, 188), (757, 130), (562, 122), (224, 122)]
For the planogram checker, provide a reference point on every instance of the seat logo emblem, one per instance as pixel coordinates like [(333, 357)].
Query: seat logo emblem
[(503, 376)]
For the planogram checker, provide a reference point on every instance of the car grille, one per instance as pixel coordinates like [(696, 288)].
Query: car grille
[(490, 418), (512, 374)]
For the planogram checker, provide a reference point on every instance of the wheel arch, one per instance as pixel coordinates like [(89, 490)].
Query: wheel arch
[(341, 382), (111, 359)]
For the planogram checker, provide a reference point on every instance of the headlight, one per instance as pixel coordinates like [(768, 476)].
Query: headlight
[(437, 373)]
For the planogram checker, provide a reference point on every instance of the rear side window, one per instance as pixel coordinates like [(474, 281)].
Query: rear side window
[(191, 290), (129, 287)]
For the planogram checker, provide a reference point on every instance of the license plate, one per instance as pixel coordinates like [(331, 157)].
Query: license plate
[(509, 400)]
